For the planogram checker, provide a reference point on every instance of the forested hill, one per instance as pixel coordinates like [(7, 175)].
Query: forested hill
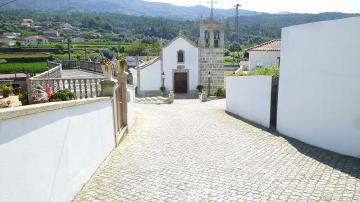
[(253, 29), (129, 7)]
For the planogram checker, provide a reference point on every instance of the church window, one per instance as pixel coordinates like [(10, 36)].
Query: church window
[(180, 56), (207, 38), (216, 39)]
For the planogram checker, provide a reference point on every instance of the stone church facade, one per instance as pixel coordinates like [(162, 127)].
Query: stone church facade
[(211, 53), (183, 65)]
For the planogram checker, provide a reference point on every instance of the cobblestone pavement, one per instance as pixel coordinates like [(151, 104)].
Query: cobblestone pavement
[(192, 151)]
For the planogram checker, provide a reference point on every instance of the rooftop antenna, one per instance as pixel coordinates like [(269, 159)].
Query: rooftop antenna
[(6, 3), (211, 2), (237, 22)]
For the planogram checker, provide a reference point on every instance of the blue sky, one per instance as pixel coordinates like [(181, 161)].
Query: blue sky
[(273, 6)]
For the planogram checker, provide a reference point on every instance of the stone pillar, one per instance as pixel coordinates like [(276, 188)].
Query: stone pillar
[(108, 84), (222, 39), (211, 38), (122, 80)]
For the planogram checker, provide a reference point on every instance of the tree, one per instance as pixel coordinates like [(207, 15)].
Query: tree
[(136, 48), (235, 47), (107, 26)]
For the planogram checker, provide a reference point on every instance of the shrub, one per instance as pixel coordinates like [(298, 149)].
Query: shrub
[(3, 61), (200, 88), (63, 95), (266, 71), (23, 97), (7, 90), (241, 73), (220, 92)]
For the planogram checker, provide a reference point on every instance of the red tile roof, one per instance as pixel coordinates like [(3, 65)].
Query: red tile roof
[(273, 45)]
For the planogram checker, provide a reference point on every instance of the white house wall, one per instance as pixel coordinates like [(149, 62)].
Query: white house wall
[(49, 156), (191, 58), (319, 85), (150, 77), (263, 58), (250, 98)]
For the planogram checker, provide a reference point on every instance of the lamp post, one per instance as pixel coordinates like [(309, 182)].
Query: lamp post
[(209, 79), (162, 83)]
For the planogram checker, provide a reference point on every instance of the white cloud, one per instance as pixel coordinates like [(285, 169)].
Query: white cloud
[(273, 6)]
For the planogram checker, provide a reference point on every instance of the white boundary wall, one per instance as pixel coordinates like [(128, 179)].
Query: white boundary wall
[(48, 156), (250, 98), (263, 58), (319, 97)]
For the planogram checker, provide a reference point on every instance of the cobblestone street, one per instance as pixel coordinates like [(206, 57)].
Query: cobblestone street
[(192, 151)]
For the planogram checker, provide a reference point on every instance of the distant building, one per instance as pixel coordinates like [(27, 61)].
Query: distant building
[(77, 40), (51, 33), (70, 31), (35, 40), (11, 35), (66, 25), (7, 42), (27, 22), (265, 54), (56, 39), (133, 61)]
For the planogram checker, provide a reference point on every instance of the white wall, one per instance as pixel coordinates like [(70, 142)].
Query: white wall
[(250, 98), (263, 58), (319, 85), (150, 77), (191, 56), (48, 156), (130, 105)]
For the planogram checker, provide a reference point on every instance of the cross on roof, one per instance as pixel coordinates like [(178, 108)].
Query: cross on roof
[(211, 2)]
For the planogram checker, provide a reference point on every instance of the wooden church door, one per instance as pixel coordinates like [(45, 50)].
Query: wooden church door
[(181, 82)]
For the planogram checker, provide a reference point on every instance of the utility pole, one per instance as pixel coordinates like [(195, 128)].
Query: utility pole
[(237, 23), (69, 53), (237, 31)]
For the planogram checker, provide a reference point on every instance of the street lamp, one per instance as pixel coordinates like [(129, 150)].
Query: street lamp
[(163, 79), (162, 83), (209, 79)]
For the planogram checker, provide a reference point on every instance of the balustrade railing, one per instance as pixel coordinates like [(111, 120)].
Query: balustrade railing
[(81, 87)]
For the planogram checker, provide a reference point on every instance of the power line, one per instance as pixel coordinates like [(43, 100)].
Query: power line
[(9, 2)]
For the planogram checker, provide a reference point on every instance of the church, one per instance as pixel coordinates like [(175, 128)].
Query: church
[(183, 64)]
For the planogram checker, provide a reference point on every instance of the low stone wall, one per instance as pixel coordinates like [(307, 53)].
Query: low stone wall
[(53, 72), (48, 151), (91, 66)]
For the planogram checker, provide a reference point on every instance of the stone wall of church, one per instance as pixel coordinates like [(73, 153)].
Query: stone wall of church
[(212, 60)]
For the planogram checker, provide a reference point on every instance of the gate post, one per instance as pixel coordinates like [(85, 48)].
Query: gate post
[(122, 85)]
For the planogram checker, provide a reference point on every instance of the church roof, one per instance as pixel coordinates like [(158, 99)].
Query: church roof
[(178, 37), (148, 63), (273, 45)]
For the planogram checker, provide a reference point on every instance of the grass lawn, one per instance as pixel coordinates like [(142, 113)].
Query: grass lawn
[(34, 67)]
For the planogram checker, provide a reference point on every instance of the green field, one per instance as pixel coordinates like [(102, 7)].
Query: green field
[(23, 55), (35, 67)]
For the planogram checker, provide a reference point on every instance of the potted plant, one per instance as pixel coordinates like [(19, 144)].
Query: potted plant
[(200, 89), (7, 90), (162, 89), (107, 67)]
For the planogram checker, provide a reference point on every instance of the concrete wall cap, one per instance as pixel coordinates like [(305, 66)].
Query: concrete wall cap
[(10, 113)]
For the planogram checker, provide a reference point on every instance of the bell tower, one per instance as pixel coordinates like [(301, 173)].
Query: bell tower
[(211, 50)]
